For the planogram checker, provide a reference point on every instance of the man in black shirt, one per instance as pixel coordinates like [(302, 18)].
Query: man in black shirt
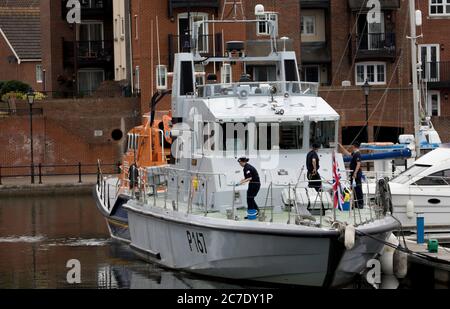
[(252, 178), (356, 172), (312, 165)]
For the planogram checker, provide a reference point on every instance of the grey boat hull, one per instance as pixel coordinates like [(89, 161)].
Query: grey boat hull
[(294, 256)]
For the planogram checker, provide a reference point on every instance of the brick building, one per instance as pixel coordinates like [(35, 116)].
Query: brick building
[(434, 54), (334, 43), (20, 39)]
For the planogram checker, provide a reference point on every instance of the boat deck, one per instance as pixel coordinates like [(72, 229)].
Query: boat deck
[(285, 215)]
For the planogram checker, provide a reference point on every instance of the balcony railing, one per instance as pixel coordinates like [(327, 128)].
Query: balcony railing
[(206, 45), (375, 45), (190, 4), (89, 53), (437, 72)]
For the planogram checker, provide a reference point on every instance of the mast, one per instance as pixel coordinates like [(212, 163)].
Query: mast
[(416, 99)]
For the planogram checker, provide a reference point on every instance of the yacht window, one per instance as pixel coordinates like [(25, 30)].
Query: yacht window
[(410, 173), (323, 133), (441, 178)]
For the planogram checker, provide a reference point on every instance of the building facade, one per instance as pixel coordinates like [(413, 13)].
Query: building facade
[(20, 39), (434, 55), (79, 57)]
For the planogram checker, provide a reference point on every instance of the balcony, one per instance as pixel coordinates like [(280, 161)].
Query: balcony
[(437, 74), (189, 4), (375, 46), (89, 53), (91, 9), (358, 5), (315, 4), (185, 44)]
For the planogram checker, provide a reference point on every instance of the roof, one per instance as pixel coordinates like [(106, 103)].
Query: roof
[(20, 26), (20, 3)]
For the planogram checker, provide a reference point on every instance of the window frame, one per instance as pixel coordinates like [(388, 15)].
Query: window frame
[(444, 5), (39, 74), (303, 24), (263, 19), (224, 74), (375, 64)]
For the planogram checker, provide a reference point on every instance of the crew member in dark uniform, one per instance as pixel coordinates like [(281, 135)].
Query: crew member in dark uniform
[(356, 172), (252, 178), (312, 165)]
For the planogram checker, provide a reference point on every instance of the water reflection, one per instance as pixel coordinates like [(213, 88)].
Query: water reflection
[(38, 235)]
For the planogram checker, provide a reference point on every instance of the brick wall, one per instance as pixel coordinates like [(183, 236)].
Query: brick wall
[(64, 134)]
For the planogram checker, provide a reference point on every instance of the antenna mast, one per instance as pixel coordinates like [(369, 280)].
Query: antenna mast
[(235, 4), (416, 98)]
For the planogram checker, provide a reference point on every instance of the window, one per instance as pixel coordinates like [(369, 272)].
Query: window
[(89, 80), (308, 25), (311, 73), (429, 55), (434, 103), (441, 178), (373, 72), (136, 27), (137, 79), (92, 4), (284, 136), (410, 173), (439, 7), (161, 77), (39, 74), (263, 27), (226, 74), (264, 73), (189, 26)]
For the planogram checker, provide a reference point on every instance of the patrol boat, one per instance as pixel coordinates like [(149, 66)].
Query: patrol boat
[(189, 215)]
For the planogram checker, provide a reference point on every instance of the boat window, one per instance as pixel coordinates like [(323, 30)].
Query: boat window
[(290, 136), (441, 178), (323, 133), (410, 174), (235, 136)]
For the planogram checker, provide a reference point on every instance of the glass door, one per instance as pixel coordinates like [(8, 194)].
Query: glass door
[(429, 56)]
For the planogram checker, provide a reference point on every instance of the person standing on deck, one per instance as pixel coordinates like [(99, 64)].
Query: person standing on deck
[(312, 165), (252, 178), (355, 172)]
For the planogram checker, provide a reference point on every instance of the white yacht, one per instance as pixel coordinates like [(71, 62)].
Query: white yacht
[(423, 188)]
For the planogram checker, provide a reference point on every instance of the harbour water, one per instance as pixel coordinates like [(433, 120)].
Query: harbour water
[(38, 236)]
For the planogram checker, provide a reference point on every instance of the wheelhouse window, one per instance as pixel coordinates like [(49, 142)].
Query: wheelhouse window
[(439, 7), (284, 136), (263, 27), (441, 178), (373, 72), (323, 133)]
